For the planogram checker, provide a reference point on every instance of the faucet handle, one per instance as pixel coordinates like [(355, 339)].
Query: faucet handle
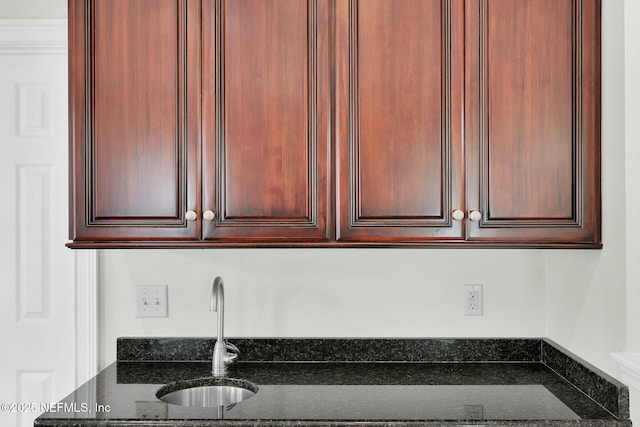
[(233, 354), (232, 347)]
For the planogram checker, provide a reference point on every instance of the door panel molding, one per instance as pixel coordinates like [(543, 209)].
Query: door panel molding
[(33, 243), (572, 217)]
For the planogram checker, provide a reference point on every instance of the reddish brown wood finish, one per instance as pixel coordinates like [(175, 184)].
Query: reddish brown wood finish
[(533, 136), (399, 104), (266, 109), (335, 122), (134, 118)]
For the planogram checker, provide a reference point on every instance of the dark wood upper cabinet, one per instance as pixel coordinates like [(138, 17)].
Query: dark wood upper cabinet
[(533, 121), (335, 123), (134, 118)]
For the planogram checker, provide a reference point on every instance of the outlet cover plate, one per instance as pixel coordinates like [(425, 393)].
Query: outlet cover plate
[(473, 300), (151, 410), (152, 301)]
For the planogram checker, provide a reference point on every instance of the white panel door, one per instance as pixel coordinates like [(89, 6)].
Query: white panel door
[(38, 312)]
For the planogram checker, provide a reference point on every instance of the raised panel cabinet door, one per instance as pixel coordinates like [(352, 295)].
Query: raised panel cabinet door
[(399, 103), (533, 121), (266, 92), (134, 119)]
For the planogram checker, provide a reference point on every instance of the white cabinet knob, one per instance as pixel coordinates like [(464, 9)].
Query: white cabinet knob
[(191, 216), (458, 215), (475, 216), (209, 215)]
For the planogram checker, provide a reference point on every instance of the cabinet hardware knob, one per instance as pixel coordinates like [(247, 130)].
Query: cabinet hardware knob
[(475, 216), (458, 215), (191, 216), (209, 215)]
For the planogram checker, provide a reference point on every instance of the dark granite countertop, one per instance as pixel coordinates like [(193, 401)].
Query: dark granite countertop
[(373, 382)]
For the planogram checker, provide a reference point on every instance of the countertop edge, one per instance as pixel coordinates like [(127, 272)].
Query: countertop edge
[(605, 390)]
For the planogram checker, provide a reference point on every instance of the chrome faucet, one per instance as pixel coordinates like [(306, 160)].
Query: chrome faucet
[(221, 357)]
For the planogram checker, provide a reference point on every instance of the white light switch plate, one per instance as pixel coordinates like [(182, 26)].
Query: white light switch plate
[(152, 301)]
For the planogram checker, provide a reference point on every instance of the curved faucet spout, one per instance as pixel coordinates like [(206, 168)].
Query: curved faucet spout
[(221, 354), (217, 304)]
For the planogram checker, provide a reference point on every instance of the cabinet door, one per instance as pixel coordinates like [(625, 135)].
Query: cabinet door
[(399, 89), (134, 118), (533, 121), (266, 89)]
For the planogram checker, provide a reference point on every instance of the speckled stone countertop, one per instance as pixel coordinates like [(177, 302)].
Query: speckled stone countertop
[(354, 382)]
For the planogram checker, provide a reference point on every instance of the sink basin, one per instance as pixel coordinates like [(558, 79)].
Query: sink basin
[(207, 392)]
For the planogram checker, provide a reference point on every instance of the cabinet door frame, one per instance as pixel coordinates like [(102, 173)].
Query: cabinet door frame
[(85, 224), (583, 227), (313, 221), (355, 226)]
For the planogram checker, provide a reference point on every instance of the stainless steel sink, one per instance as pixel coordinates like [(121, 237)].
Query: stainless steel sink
[(207, 392)]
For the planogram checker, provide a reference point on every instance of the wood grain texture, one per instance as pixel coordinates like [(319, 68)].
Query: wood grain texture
[(335, 123), (399, 91), (266, 107), (532, 92), (399, 100), (134, 117), (136, 97), (529, 107)]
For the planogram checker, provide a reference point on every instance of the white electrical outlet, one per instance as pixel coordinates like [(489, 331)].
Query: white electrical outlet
[(152, 410), (474, 412), (473, 300), (152, 301)]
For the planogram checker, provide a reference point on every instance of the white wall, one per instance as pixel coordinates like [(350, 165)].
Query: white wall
[(586, 290), (632, 157), (324, 293)]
